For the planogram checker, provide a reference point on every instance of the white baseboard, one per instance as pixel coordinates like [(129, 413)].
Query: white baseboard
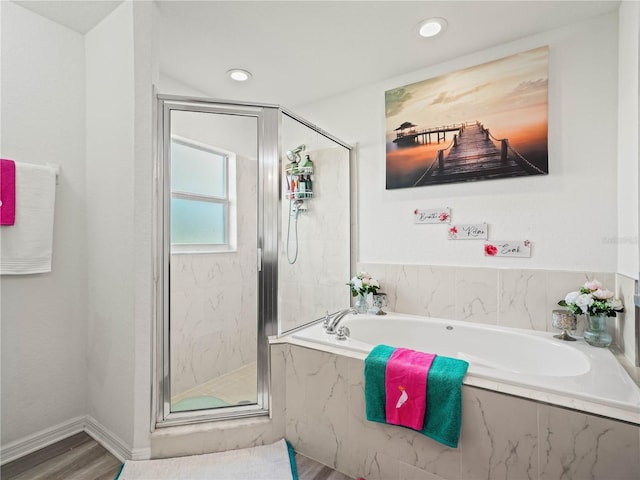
[(109, 440), (44, 438)]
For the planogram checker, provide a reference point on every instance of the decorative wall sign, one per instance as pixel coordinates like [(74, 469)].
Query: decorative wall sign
[(508, 249), (471, 231), (484, 122), (434, 215)]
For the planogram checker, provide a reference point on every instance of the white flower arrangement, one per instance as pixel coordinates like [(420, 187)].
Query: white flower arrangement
[(592, 299), (362, 284)]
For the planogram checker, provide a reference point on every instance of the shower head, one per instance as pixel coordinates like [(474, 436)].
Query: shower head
[(294, 155)]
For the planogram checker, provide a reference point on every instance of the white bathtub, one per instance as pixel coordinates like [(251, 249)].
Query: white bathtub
[(520, 362)]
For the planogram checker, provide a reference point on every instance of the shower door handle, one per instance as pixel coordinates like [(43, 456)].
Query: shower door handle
[(259, 259)]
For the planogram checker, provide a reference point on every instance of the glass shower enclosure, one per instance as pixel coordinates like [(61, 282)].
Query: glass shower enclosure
[(253, 240)]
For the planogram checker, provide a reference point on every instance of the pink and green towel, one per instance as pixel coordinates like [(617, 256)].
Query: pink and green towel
[(406, 387), (443, 396)]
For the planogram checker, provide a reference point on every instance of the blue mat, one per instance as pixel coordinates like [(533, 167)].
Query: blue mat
[(198, 403)]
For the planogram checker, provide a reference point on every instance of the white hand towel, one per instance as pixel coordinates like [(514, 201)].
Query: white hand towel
[(27, 246)]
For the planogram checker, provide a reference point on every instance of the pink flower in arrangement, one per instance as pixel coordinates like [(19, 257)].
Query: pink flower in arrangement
[(490, 250), (443, 217)]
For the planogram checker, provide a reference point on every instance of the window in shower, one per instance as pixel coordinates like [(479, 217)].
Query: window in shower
[(201, 176)]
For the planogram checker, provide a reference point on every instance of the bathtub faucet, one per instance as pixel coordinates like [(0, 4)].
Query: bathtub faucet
[(331, 322)]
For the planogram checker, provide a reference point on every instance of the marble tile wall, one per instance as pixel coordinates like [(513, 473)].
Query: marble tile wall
[(502, 437), (316, 281), (213, 300), (508, 297)]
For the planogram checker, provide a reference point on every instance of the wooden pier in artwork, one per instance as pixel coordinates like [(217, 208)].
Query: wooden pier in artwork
[(407, 136), (474, 155)]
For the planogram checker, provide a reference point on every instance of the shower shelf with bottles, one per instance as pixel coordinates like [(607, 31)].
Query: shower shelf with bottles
[(299, 181)]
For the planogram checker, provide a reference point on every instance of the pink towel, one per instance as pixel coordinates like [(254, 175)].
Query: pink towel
[(406, 387), (7, 192)]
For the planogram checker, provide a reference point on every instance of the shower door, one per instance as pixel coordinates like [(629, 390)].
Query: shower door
[(214, 351)]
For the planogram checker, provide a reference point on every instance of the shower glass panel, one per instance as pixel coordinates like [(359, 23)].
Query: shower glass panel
[(254, 240), (314, 247), (213, 275)]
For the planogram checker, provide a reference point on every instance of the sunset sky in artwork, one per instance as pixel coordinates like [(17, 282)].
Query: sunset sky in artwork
[(506, 95)]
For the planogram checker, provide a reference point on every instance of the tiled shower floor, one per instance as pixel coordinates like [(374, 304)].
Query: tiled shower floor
[(237, 387)]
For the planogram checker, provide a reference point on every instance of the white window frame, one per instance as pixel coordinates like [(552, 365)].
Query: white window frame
[(229, 201)]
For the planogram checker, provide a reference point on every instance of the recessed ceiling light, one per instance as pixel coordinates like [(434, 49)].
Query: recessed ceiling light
[(239, 75), (432, 27)]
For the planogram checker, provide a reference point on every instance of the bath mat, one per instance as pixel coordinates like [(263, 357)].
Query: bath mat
[(198, 403), (267, 462)]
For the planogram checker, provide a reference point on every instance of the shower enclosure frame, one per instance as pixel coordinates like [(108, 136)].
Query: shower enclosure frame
[(269, 120)]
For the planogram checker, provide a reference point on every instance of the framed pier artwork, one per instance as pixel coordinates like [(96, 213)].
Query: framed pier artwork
[(481, 123)]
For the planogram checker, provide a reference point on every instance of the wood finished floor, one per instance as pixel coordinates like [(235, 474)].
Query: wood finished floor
[(80, 457)]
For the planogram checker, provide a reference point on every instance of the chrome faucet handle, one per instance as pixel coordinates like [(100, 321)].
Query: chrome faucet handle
[(342, 333), (327, 319)]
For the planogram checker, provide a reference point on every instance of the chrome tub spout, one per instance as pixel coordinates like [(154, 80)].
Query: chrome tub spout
[(332, 322)]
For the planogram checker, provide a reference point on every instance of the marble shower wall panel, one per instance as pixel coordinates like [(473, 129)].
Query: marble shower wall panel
[(502, 437), (516, 298), (213, 300), (316, 281)]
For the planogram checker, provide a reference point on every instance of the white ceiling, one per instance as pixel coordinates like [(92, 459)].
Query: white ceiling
[(302, 51), (78, 15)]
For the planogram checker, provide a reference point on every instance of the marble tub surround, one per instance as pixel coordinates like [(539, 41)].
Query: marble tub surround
[(516, 298), (502, 436), (566, 374)]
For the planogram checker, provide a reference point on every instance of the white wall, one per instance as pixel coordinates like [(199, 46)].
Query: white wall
[(146, 74), (110, 221), (78, 341), (119, 222), (565, 214), (44, 315), (628, 89)]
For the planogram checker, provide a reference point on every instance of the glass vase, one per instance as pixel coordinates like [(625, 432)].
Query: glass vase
[(596, 333), (361, 304)]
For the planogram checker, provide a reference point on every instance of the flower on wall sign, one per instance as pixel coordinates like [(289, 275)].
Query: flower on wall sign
[(434, 215), (490, 250), (520, 249), (473, 231)]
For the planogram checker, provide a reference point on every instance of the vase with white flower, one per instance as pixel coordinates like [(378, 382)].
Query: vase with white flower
[(597, 303), (361, 285)]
